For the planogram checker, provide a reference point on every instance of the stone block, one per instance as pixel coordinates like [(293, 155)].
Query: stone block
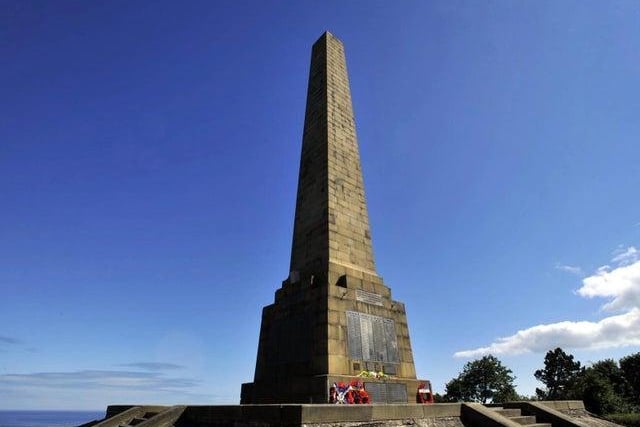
[(333, 317), (339, 364), (335, 332), (271, 414), (336, 413), (337, 347), (564, 405), (441, 410), (397, 411), (212, 414)]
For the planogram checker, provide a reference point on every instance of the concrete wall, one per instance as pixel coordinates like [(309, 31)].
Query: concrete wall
[(436, 415)]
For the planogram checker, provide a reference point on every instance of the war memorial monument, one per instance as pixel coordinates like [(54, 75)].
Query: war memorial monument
[(333, 318)]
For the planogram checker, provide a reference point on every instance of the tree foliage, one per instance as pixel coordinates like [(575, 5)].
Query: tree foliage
[(603, 388), (559, 373), (630, 366), (484, 380), (606, 387)]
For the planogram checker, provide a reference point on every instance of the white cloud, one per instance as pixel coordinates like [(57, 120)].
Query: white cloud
[(626, 256), (59, 390), (91, 379), (153, 366), (570, 269), (620, 285), (615, 331)]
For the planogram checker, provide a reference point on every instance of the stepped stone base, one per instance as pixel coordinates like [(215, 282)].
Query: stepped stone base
[(316, 390), (556, 414)]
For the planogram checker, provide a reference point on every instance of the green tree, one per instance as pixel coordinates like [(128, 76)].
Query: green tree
[(482, 380), (525, 398), (610, 370), (630, 367), (441, 398), (455, 391), (560, 371), (603, 388)]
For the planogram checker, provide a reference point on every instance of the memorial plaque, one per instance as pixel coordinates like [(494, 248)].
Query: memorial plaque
[(386, 392), (391, 341), (379, 344), (377, 392), (396, 393), (354, 338), (390, 369), (371, 338), (368, 297), (366, 330)]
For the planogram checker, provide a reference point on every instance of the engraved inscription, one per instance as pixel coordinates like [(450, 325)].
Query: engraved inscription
[(391, 341), (354, 337), (396, 393), (390, 369), (387, 392), (366, 329), (377, 391), (368, 297), (371, 338)]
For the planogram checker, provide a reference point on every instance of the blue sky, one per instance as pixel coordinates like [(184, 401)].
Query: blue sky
[(148, 165)]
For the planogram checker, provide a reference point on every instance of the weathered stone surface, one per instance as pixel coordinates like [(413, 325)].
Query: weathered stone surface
[(333, 316), (417, 422), (584, 418), (331, 220), (436, 415)]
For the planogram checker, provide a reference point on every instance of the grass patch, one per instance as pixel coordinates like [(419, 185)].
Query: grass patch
[(629, 420)]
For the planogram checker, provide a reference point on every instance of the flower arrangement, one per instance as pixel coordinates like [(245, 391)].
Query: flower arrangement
[(373, 374)]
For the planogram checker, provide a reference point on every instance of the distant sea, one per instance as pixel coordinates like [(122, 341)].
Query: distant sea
[(48, 418)]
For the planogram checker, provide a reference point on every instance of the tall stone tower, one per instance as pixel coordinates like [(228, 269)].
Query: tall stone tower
[(333, 317)]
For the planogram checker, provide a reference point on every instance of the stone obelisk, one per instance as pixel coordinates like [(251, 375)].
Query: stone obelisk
[(333, 317)]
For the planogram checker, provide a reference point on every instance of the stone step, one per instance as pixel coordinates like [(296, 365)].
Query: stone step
[(137, 421), (539, 425), (507, 412), (524, 419)]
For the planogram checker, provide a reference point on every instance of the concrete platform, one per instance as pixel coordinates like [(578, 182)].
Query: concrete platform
[(275, 415), (322, 415)]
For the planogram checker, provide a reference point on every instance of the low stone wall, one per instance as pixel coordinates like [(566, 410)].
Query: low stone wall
[(559, 414), (438, 415), (320, 415), (415, 422)]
